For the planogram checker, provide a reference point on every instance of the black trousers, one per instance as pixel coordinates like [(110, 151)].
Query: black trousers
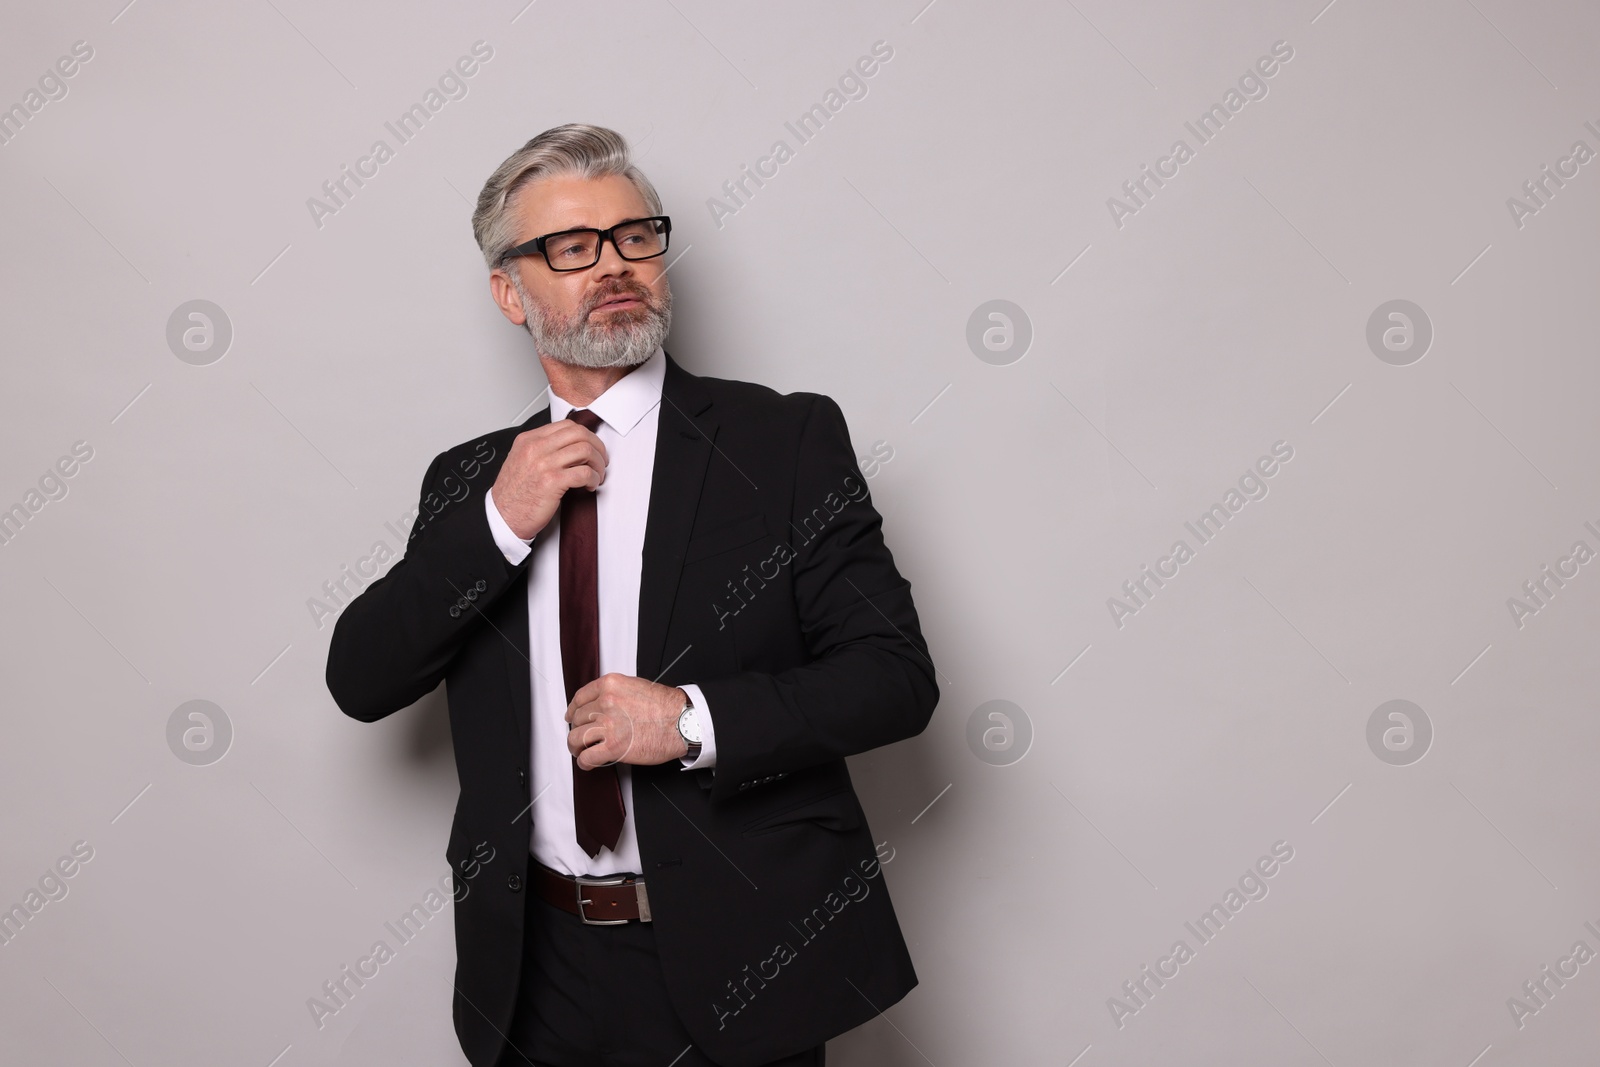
[(595, 996)]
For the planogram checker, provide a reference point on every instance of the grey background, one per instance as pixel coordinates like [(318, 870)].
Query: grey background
[(1228, 314)]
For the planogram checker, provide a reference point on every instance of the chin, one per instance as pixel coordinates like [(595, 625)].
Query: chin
[(601, 356)]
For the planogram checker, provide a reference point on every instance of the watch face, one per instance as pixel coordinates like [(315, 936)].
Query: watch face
[(689, 726)]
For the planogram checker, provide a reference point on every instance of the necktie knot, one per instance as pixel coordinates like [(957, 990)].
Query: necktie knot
[(585, 418)]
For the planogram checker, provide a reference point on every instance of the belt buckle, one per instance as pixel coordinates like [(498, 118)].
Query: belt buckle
[(582, 880)]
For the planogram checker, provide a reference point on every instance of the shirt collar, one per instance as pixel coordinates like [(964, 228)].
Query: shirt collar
[(630, 398)]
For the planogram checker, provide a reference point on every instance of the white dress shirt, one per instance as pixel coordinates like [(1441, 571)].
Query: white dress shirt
[(630, 411)]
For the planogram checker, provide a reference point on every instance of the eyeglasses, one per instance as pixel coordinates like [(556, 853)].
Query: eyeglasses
[(579, 249)]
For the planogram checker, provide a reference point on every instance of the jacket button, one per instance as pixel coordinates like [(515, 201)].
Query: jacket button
[(455, 612), (514, 883), (472, 593), (522, 777), (481, 586)]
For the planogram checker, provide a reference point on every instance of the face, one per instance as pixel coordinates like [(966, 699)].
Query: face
[(616, 313)]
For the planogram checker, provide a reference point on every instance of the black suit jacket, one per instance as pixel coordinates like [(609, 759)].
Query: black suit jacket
[(767, 582)]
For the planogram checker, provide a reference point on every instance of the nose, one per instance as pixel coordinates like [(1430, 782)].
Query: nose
[(611, 263)]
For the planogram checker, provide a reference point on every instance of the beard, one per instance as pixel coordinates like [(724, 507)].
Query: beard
[(622, 338)]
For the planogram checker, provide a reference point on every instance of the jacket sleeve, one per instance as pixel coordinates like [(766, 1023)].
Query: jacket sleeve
[(394, 642), (870, 681)]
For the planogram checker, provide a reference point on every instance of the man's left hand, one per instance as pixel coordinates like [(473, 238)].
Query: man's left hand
[(618, 718)]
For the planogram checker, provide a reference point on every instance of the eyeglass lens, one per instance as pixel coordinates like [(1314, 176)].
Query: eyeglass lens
[(634, 240)]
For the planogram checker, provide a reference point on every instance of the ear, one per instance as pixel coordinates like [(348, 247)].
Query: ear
[(505, 294)]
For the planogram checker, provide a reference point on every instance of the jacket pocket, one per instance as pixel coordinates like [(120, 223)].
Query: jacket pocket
[(837, 809), (727, 536)]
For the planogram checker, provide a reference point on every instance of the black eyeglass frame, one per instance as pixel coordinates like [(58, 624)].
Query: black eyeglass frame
[(537, 246)]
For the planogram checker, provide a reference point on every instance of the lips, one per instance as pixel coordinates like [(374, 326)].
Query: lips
[(619, 301)]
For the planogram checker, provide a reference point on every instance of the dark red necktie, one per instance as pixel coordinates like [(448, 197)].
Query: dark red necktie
[(597, 794)]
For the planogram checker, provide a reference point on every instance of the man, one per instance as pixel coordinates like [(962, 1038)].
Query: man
[(664, 614)]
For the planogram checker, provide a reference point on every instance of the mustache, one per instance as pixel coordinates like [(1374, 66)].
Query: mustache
[(640, 294)]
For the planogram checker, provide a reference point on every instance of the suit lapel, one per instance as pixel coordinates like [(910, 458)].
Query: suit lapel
[(684, 437)]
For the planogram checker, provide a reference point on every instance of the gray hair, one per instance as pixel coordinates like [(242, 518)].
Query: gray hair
[(573, 149)]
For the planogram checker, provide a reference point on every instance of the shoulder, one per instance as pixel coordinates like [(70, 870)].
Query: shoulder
[(470, 458), (787, 427), (764, 406), (460, 473)]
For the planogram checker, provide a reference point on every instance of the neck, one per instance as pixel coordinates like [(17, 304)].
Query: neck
[(580, 386)]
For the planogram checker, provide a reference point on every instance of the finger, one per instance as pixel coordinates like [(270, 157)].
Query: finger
[(587, 694), (578, 454), (593, 757), (594, 439), (590, 757), (593, 472), (594, 697), (579, 477), (579, 465), (620, 726), (599, 755), (581, 738), (550, 436), (566, 431), (597, 461), (592, 447)]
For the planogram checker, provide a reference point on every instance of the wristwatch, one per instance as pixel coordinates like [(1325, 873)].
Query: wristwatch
[(689, 728)]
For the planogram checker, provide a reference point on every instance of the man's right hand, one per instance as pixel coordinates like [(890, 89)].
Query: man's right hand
[(542, 465)]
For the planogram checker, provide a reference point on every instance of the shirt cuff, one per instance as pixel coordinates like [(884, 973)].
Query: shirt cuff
[(512, 547), (708, 736)]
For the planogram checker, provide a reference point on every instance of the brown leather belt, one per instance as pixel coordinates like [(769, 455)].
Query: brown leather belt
[(599, 901)]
